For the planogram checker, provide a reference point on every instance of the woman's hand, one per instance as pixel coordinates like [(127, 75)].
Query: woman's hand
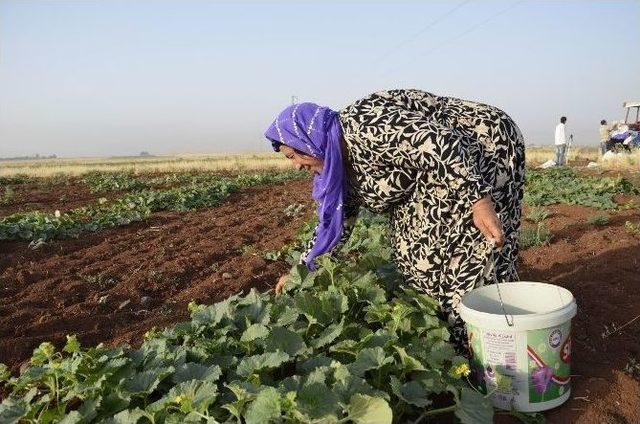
[(487, 221), (280, 284)]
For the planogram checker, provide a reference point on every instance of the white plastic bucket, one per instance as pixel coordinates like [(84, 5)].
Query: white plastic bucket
[(525, 366)]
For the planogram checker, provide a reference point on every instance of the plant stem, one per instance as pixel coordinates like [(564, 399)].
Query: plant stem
[(436, 412)]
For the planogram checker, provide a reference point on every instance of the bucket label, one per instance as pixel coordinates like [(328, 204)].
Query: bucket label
[(549, 359), (493, 357)]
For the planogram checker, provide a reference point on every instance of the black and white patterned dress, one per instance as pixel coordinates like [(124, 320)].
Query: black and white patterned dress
[(424, 160)]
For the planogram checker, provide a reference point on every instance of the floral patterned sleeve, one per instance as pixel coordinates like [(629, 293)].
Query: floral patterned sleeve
[(351, 208)]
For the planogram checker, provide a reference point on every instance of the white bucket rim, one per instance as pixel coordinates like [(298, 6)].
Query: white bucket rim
[(521, 322)]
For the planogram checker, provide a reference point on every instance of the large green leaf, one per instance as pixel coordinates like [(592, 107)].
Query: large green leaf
[(127, 417), (285, 315), (253, 332), (212, 315), (195, 371), (409, 363), (328, 335), (311, 306), (147, 381), (474, 408), (85, 414), (285, 340), (193, 395), (11, 410), (367, 359), (313, 363), (349, 385), (257, 363), (365, 409), (317, 400), (264, 408), (411, 392)]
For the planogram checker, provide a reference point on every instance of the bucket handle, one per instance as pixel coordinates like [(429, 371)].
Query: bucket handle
[(491, 269)]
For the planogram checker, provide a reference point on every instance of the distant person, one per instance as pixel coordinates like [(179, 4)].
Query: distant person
[(448, 172), (604, 136), (561, 142)]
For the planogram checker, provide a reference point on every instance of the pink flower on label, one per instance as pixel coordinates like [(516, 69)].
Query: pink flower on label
[(542, 378)]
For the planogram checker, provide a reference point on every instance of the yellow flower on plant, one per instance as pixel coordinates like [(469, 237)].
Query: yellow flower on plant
[(192, 306), (462, 369), (180, 399), (47, 348)]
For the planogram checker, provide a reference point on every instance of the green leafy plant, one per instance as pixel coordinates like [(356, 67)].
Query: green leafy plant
[(629, 205), (294, 210), (112, 181), (632, 368), (7, 196), (599, 220), (15, 180), (537, 214), (633, 229), (101, 281), (273, 255), (248, 250), (536, 236)]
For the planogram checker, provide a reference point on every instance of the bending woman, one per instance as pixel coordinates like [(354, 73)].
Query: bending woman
[(448, 172)]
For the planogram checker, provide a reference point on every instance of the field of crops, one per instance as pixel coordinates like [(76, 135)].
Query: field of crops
[(135, 297)]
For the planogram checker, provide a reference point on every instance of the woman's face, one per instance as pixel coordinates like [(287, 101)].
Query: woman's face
[(302, 161)]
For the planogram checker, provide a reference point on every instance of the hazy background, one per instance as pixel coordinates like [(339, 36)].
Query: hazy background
[(117, 77)]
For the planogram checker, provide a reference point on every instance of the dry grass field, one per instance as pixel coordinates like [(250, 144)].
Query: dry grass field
[(579, 156), (152, 164)]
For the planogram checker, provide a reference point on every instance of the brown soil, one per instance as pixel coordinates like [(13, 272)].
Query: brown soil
[(601, 267), (47, 197), (172, 258), (177, 257)]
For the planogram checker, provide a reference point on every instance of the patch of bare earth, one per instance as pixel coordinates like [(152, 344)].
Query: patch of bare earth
[(601, 267)]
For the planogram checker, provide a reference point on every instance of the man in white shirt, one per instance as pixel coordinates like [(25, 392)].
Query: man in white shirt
[(561, 142)]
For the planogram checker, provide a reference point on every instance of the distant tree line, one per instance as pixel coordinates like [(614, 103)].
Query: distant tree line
[(38, 156), (32, 157)]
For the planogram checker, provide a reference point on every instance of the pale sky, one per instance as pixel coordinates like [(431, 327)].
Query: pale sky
[(87, 78)]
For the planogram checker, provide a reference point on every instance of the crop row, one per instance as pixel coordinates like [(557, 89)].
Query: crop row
[(344, 344), (565, 185), (39, 227), (99, 182)]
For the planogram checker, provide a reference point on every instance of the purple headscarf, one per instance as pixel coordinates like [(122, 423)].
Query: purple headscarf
[(315, 130)]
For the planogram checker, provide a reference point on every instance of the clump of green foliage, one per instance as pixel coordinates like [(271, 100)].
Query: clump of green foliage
[(633, 229), (7, 196), (100, 281), (294, 210), (112, 181), (15, 180), (599, 220), (537, 214), (565, 185), (629, 205), (534, 236), (632, 368)]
